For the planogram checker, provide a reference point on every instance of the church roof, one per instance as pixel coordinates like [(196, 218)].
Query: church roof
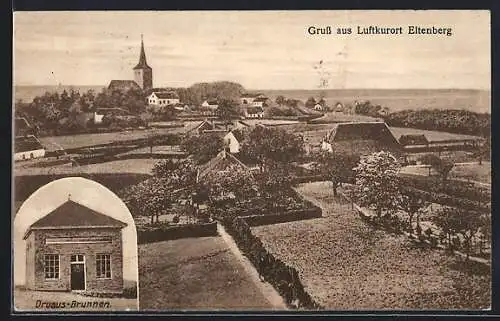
[(142, 58), (123, 85), (73, 215), (166, 95)]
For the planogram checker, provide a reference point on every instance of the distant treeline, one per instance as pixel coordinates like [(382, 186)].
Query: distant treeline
[(449, 120)]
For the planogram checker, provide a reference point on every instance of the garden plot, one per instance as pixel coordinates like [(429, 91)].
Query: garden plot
[(195, 274), (346, 264)]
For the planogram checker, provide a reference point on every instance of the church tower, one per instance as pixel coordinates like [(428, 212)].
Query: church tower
[(143, 74)]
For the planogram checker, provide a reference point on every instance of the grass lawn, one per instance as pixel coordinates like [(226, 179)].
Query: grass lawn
[(25, 300), (346, 264), (195, 274), (138, 166), (475, 172)]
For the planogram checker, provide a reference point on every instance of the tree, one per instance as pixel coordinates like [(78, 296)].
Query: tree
[(310, 102), (337, 167), (171, 181), (203, 147), (377, 182), (442, 166), (272, 185), (280, 100), (269, 146), (230, 185), (413, 205), (459, 221), (227, 109)]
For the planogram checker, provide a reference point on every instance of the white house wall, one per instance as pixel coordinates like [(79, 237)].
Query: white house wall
[(38, 153)]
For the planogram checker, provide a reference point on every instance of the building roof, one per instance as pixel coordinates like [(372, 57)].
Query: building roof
[(413, 140), (123, 84), (362, 131), (217, 162), (254, 110), (238, 134), (26, 144), (166, 95), (212, 101), (74, 215), (22, 126), (142, 58), (260, 99)]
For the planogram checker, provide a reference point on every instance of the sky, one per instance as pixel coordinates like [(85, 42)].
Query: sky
[(259, 49)]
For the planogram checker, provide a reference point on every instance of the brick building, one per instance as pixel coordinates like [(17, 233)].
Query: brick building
[(74, 248)]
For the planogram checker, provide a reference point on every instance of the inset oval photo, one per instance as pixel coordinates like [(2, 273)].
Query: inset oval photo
[(75, 249)]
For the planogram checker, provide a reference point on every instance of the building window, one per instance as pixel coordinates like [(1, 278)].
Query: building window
[(51, 266), (31, 155), (103, 266), (24, 156)]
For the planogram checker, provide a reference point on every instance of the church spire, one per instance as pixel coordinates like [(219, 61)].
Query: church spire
[(142, 57)]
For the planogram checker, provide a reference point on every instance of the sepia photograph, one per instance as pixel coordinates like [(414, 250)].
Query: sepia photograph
[(319, 160)]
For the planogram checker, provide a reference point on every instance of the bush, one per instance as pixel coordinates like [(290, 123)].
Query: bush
[(285, 279), (175, 219), (164, 232)]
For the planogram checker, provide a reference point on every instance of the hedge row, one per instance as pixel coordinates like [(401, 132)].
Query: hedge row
[(453, 188), (448, 200), (283, 278), (294, 215), (26, 185), (164, 233)]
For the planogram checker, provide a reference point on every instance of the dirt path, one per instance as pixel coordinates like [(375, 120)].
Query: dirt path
[(267, 289)]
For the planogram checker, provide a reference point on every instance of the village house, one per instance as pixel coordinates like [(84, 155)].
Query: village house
[(74, 248), (318, 107), (211, 104), (254, 112), (339, 107), (22, 127), (260, 102), (100, 113), (28, 147), (163, 98), (361, 138), (232, 141), (247, 99), (223, 161)]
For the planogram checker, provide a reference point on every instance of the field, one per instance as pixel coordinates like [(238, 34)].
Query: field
[(52, 143), (398, 99), (357, 267), (136, 166), (26, 301), (432, 136), (195, 273), (469, 171)]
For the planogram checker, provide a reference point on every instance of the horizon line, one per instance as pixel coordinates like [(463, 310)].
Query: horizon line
[(275, 89)]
